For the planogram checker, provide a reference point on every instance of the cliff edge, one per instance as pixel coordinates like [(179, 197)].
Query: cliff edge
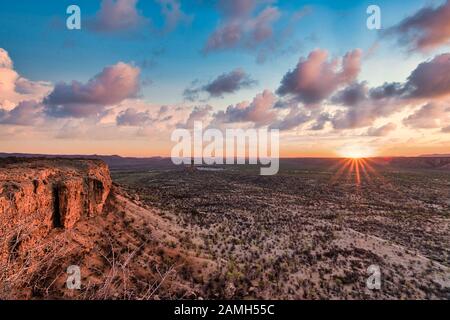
[(47, 194)]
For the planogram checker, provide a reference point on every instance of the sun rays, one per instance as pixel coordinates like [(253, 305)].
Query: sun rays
[(355, 170)]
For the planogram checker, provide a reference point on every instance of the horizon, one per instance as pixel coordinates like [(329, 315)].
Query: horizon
[(437, 155)]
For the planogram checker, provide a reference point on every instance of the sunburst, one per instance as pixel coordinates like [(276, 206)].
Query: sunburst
[(355, 169)]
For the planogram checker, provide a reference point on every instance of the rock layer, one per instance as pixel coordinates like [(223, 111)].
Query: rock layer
[(40, 195)]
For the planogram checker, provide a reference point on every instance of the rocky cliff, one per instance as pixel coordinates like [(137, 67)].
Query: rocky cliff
[(41, 195)]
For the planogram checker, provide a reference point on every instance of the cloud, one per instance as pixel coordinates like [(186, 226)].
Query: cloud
[(144, 118), (243, 24), (382, 131), (365, 113), (353, 118), (132, 120), (131, 117), (260, 111), (257, 27), (15, 88), (224, 84), (5, 60), (387, 90), (429, 116), (364, 105), (113, 85), (317, 80), (117, 15), (173, 14), (427, 29), (430, 79), (352, 95), (292, 120), (314, 79), (261, 26), (237, 8), (86, 129), (199, 113), (123, 16), (229, 83), (320, 122), (26, 113)]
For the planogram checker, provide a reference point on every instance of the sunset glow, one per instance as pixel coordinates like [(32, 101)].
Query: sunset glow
[(356, 152)]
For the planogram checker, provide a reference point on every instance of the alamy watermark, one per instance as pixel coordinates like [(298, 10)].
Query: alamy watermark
[(374, 19), (236, 146), (73, 22), (373, 282), (73, 281)]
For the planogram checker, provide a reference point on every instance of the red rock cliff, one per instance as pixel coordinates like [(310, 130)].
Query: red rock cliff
[(40, 195)]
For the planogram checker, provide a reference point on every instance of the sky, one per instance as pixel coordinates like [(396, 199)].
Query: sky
[(139, 69)]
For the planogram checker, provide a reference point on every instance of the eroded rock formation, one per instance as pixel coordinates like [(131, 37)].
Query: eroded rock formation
[(41, 195)]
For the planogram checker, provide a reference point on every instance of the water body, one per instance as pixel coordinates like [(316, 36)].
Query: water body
[(209, 169)]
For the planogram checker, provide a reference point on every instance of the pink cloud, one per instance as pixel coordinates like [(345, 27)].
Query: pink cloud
[(243, 25), (113, 85), (260, 111), (117, 15), (316, 77), (5, 60), (382, 131), (14, 88), (26, 113), (427, 29), (132, 117), (429, 116)]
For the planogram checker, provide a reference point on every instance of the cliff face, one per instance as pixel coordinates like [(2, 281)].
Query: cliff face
[(40, 195)]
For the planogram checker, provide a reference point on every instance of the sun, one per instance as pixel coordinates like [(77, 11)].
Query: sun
[(355, 155), (355, 152)]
